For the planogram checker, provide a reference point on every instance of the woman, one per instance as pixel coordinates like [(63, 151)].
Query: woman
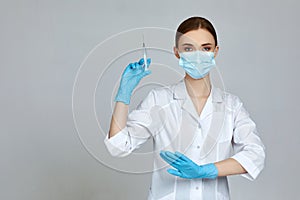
[(204, 133)]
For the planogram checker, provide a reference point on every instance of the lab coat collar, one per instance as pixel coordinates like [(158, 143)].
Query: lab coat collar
[(180, 92)]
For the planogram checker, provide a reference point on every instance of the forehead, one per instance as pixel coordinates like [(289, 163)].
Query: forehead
[(197, 37)]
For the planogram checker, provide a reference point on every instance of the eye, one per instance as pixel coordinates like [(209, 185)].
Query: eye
[(188, 49), (206, 49)]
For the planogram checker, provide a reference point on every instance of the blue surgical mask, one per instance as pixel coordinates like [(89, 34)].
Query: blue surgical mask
[(197, 63)]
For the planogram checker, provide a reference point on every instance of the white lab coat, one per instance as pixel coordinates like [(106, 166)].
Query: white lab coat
[(168, 116)]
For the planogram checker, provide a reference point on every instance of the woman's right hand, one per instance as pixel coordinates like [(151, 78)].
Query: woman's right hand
[(131, 77)]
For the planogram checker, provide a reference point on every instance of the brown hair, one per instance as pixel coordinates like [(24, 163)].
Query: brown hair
[(194, 23)]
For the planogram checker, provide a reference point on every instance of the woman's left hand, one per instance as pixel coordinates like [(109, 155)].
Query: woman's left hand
[(186, 168)]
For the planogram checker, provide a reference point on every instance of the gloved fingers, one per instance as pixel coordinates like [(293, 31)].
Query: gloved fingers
[(148, 61), (166, 158), (133, 66), (178, 157), (128, 68), (174, 172), (170, 161), (141, 61), (171, 155), (137, 66), (145, 73), (182, 156)]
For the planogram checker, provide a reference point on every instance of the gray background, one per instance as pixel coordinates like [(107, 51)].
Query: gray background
[(43, 44)]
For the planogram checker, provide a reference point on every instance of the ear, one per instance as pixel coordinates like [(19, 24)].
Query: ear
[(216, 51), (176, 53)]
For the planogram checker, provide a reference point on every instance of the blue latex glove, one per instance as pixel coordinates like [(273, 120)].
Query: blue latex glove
[(186, 168), (131, 77)]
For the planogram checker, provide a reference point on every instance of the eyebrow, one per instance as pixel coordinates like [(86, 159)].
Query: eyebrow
[(193, 45), (206, 44), (188, 44)]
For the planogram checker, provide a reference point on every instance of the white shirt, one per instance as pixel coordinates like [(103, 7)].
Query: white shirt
[(168, 116)]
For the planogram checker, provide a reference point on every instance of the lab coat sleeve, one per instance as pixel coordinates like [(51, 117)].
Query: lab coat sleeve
[(136, 131), (248, 148)]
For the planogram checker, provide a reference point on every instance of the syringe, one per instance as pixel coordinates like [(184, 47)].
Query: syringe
[(145, 55)]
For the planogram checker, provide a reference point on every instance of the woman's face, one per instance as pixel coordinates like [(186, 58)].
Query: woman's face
[(194, 40)]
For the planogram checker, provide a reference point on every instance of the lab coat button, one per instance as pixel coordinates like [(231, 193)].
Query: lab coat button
[(198, 147), (197, 188), (199, 125)]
